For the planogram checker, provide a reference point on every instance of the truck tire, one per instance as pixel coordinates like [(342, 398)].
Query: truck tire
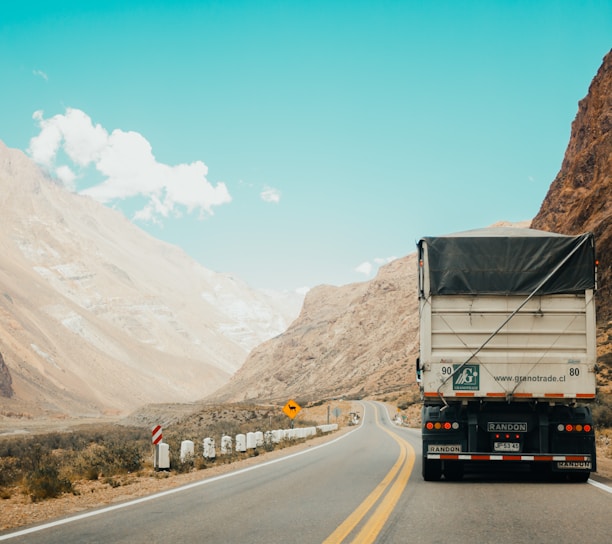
[(432, 470)]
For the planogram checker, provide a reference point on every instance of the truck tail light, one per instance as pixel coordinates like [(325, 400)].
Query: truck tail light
[(571, 428), (442, 426)]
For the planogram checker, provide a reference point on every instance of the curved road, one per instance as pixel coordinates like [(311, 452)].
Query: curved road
[(364, 486)]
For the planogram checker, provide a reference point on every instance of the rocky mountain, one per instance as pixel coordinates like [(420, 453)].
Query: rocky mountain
[(362, 339), (351, 340), (580, 197), (97, 316)]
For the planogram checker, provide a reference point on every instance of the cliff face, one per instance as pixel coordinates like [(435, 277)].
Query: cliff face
[(580, 197)]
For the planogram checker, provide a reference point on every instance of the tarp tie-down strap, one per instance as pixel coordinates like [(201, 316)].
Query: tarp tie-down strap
[(493, 334)]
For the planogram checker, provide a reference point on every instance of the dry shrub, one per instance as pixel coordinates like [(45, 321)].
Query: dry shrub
[(602, 410), (46, 483), (47, 464), (604, 442)]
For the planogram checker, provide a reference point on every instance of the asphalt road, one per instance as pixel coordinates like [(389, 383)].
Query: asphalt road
[(365, 486)]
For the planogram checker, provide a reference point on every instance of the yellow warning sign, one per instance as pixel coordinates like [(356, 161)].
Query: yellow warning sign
[(291, 409)]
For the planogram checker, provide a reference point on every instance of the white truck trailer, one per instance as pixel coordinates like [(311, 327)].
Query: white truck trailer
[(507, 352)]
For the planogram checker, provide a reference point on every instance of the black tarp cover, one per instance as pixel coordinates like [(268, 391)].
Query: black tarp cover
[(508, 261)]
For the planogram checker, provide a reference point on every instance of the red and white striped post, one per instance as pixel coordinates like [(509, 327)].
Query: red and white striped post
[(156, 435), (161, 458)]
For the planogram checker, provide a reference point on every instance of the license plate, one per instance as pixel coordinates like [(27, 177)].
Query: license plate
[(507, 446), (574, 465), (444, 448)]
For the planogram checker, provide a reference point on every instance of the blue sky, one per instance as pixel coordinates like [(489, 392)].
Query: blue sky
[(300, 143)]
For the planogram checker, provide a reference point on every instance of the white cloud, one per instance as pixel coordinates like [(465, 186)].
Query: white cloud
[(364, 268), (127, 164), (66, 176), (384, 260), (367, 268), (269, 194), (40, 73), (44, 147)]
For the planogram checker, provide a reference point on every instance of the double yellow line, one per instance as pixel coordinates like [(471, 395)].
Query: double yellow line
[(395, 481)]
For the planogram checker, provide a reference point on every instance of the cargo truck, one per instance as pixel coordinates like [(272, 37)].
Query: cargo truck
[(507, 355)]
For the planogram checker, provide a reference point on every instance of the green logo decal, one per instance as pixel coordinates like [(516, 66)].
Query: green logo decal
[(467, 378)]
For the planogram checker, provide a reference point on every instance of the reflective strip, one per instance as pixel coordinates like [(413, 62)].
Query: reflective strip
[(497, 457), (517, 395)]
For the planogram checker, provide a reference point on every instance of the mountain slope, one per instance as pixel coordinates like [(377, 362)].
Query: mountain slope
[(350, 340), (97, 315)]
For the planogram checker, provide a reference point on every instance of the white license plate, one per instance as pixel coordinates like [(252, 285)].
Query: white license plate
[(574, 465), (506, 446), (444, 448)]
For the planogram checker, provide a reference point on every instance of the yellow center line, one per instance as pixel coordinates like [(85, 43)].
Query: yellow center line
[(377, 521), (369, 532)]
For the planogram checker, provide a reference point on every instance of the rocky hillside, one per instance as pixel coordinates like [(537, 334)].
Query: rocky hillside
[(580, 197), (352, 340), (362, 339), (96, 316)]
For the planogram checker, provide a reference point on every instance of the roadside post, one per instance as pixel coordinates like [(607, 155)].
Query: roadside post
[(161, 455)]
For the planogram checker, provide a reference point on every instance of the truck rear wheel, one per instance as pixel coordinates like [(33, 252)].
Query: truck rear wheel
[(432, 470)]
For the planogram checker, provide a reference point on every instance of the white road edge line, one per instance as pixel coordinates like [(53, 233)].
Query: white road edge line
[(107, 509), (605, 487)]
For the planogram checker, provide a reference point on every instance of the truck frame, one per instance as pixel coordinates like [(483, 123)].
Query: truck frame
[(507, 354)]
